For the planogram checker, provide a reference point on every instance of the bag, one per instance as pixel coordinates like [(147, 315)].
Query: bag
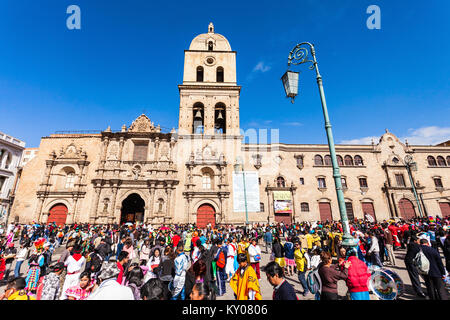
[(422, 263), (313, 281), (257, 257), (221, 260)]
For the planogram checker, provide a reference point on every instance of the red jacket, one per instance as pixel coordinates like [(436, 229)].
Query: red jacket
[(120, 276), (358, 275), (175, 240)]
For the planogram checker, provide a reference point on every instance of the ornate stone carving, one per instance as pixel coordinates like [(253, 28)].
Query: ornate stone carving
[(142, 124), (71, 152), (113, 152)]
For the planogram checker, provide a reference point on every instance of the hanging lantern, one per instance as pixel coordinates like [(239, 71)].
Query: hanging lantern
[(290, 83), (220, 117)]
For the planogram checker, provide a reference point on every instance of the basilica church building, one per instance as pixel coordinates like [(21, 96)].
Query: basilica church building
[(142, 174)]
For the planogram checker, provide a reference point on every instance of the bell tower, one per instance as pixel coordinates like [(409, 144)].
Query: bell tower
[(209, 95)]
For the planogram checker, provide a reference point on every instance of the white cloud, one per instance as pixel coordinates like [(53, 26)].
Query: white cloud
[(431, 135), (365, 140), (292, 124), (427, 135), (261, 66)]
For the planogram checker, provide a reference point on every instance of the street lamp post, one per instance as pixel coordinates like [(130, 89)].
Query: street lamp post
[(297, 56), (239, 167), (411, 165)]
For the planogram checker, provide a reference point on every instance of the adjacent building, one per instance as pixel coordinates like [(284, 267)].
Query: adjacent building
[(141, 173), (10, 156)]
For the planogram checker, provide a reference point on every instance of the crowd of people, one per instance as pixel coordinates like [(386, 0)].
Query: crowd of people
[(183, 262)]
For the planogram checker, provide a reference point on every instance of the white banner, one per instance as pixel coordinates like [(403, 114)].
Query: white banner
[(251, 191)]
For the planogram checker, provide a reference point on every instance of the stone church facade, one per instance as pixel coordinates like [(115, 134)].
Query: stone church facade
[(143, 174)]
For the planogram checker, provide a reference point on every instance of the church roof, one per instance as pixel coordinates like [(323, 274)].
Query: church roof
[(201, 41)]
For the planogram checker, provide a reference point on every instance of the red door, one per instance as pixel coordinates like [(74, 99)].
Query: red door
[(445, 209), (283, 217), (325, 211), (205, 215), (367, 208), (58, 214), (406, 209)]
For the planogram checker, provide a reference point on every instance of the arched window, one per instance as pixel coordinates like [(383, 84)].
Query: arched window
[(441, 161), (219, 74), (280, 182), (448, 160), (348, 160), (431, 161), (70, 180), (327, 159), (206, 181), (220, 118), (318, 161), (358, 161), (304, 207), (210, 46), (339, 160), (198, 118), (200, 74)]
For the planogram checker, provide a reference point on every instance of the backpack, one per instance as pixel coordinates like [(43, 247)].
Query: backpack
[(314, 282), (221, 260), (421, 262)]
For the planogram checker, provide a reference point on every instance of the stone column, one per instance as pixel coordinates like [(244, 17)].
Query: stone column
[(220, 218), (169, 200), (112, 215), (94, 210), (104, 151), (152, 202), (188, 209)]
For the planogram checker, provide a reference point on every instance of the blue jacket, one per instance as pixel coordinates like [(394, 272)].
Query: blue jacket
[(268, 237)]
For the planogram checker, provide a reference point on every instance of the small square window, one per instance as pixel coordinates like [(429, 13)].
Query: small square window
[(302, 181)]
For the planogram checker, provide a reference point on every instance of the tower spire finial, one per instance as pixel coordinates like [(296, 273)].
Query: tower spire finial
[(211, 28)]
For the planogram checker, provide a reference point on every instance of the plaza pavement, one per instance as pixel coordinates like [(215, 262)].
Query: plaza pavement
[(266, 287)]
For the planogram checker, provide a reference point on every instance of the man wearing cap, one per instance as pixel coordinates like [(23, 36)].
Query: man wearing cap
[(109, 288)]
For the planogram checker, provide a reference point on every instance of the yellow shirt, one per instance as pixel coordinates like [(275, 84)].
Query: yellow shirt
[(242, 246), (20, 295), (309, 240), (300, 260)]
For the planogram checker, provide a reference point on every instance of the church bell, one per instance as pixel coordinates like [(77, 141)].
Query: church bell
[(198, 115)]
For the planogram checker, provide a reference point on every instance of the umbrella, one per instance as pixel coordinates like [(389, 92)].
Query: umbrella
[(128, 224), (165, 228)]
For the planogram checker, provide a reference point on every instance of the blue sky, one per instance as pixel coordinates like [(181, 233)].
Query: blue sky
[(128, 58)]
